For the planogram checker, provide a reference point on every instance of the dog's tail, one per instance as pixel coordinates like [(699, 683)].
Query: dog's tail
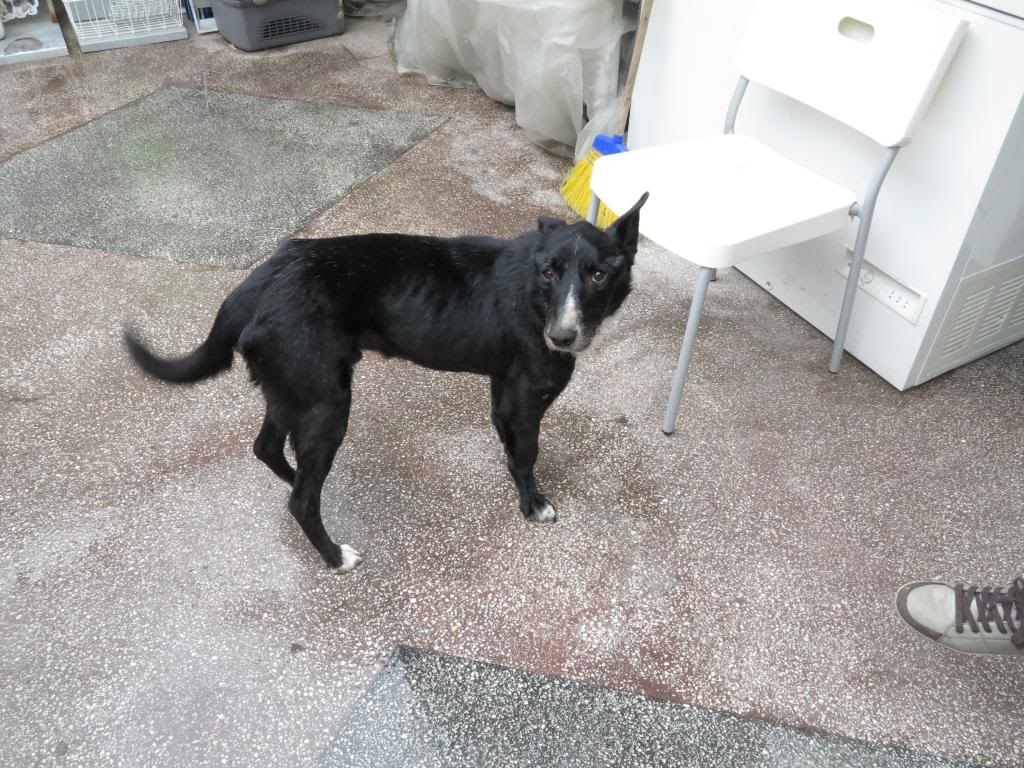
[(213, 356)]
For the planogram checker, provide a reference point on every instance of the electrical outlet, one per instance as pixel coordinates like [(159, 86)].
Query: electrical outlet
[(884, 288)]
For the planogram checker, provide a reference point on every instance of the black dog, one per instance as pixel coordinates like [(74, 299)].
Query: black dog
[(514, 310)]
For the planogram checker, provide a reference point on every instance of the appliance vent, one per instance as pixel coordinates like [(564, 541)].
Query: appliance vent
[(289, 25), (986, 313), (967, 320), (999, 308), (1017, 316)]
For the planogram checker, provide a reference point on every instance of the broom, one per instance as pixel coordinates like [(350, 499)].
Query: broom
[(576, 186)]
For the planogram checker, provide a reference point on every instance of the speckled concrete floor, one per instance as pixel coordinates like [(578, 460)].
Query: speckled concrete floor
[(159, 607)]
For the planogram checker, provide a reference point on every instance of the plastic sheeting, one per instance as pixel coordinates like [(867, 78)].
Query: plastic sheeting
[(555, 60), (18, 9)]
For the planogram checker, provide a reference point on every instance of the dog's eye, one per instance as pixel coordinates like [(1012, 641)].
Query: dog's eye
[(548, 274), (599, 276)]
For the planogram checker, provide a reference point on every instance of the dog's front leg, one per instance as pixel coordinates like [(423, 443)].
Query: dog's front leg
[(517, 412)]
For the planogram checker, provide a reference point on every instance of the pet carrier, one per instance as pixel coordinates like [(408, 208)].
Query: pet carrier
[(102, 24), (253, 26)]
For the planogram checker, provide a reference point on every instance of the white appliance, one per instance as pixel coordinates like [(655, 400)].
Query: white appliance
[(944, 273)]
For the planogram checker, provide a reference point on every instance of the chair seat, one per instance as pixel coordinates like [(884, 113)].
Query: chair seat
[(722, 200)]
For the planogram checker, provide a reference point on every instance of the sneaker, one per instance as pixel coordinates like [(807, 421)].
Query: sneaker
[(966, 618)]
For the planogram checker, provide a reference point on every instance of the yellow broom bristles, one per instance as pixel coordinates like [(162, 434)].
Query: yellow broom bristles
[(576, 190)]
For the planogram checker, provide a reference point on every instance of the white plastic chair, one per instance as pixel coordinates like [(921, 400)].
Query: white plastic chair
[(872, 64)]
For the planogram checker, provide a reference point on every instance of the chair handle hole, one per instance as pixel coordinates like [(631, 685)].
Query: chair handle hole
[(856, 30)]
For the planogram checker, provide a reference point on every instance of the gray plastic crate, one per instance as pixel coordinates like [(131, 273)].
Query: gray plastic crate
[(253, 27)]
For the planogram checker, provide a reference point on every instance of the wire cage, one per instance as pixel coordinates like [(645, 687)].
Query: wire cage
[(201, 14), (102, 24)]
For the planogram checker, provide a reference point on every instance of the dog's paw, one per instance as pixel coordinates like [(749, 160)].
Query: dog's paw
[(350, 560), (542, 513)]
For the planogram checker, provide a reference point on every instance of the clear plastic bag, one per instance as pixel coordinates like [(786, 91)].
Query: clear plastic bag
[(18, 9), (555, 60)]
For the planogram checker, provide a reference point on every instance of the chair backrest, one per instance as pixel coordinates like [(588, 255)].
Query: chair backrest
[(872, 64)]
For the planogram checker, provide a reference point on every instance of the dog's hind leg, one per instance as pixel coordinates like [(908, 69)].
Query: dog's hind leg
[(318, 434), (517, 412), (269, 448), (499, 415)]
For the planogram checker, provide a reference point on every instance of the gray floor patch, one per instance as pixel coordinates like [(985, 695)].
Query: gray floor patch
[(200, 176), (428, 709)]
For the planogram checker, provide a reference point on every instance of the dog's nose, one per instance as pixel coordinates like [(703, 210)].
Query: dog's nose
[(562, 337)]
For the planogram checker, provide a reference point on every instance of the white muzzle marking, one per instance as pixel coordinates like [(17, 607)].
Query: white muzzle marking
[(568, 318)]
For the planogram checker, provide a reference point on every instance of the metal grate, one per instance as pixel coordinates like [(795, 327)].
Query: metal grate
[(289, 25)]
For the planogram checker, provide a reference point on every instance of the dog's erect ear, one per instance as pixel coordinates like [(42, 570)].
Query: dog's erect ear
[(626, 229), (547, 223)]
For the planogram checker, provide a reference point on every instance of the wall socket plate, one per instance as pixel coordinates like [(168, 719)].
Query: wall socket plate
[(886, 289)]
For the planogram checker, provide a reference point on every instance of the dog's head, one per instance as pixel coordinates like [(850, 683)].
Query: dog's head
[(583, 276)]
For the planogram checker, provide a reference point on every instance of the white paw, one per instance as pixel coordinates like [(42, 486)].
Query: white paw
[(545, 514), (350, 559)]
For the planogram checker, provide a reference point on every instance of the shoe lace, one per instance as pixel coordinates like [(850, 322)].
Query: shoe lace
[(995, 605)]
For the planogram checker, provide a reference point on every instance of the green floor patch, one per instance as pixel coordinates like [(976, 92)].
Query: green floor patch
[(198, 176), (430, 710)]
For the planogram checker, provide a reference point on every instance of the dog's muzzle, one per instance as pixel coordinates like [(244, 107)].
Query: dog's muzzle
[(561, 338), (563, 333)]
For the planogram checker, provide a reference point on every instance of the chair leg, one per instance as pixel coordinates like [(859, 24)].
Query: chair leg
[(679, 381), (852, 281), (595, 204), (714, 275), (865, 211)]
